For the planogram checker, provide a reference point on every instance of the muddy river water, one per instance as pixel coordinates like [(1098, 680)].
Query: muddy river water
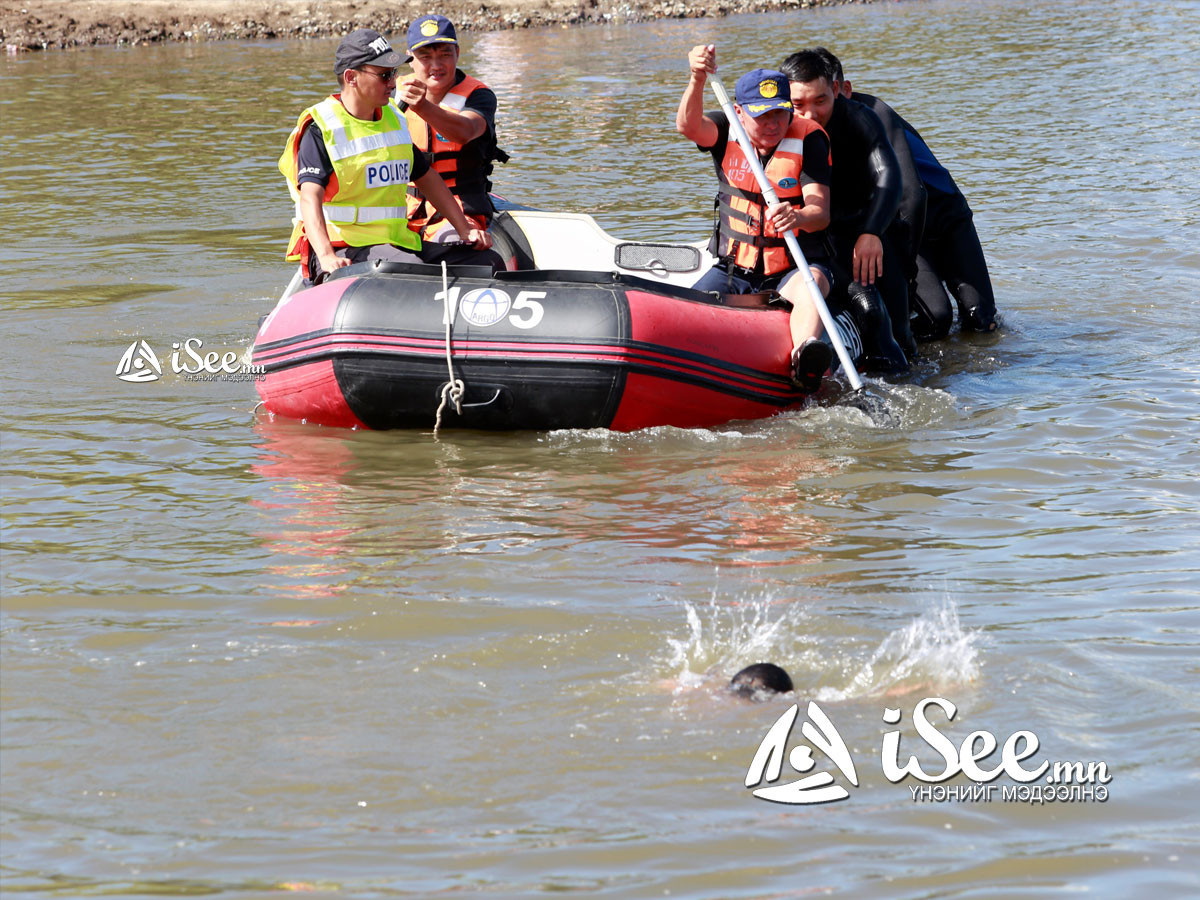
[(244, 656)]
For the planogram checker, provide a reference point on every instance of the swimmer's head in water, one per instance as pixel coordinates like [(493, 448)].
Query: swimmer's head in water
[(761, 679)]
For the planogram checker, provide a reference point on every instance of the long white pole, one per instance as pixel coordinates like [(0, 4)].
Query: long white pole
[(293, 285), (768, 192)]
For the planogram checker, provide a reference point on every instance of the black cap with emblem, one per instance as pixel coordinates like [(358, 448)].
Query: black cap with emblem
[(364, 47)]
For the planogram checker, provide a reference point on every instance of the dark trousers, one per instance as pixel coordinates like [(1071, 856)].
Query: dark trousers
[(951, 258), (892, 285)]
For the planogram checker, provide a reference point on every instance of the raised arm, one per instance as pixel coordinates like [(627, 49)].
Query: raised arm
[(458, 126), (690, 120)]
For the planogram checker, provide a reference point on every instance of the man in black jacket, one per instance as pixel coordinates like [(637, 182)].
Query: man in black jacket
[(947, 251), (866, 193)]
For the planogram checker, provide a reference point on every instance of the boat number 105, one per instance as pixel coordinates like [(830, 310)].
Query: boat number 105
[(485, 307)]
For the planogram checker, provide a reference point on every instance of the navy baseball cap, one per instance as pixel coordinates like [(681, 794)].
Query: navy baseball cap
[(762, 90), (430, 29), (364, 47)]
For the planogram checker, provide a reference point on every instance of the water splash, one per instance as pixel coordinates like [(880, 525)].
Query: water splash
[(890, 407), (932, 651), (725, 636)]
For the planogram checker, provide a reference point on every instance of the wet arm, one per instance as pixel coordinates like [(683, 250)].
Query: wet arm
[(815, 178)]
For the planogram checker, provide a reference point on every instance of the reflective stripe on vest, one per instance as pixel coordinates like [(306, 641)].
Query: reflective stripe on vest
[(342, 148), (742, 232), (365, 202), (363, 214)]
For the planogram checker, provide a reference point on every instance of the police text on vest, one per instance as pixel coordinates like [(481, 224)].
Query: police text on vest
[(384, 173)]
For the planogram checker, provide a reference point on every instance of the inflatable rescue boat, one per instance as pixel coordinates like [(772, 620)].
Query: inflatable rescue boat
[(582, 331)]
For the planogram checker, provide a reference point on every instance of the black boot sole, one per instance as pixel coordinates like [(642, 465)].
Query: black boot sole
[(810, 365)]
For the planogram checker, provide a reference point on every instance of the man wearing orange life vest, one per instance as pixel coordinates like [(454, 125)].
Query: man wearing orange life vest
[(348, 161), (452, 116), (748, 240)]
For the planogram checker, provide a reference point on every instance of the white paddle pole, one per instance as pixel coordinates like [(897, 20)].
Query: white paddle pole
[(793, 245), (293, 285)]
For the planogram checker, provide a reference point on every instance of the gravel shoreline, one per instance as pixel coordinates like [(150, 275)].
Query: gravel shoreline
[(65, 24)]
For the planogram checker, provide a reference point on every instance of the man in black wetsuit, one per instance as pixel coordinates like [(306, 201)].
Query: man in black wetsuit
[(950, 253), (947, 247), (865, 194), (904, 232)]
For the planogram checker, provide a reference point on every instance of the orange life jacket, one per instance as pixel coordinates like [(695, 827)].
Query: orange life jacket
[(743, 232), (465, 171)]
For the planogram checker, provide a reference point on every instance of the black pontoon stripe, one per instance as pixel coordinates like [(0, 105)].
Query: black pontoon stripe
[(627, 353), (760, 389), (476, 344)]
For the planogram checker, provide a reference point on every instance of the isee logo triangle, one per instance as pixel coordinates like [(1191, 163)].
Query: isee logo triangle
[(138, 364)]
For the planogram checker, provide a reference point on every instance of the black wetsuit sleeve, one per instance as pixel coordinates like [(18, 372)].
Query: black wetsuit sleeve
[(312, 159), (882, 165), (913, 197)]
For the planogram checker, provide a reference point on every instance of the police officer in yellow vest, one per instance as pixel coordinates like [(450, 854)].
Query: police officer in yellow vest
[(348, 162), (752, 255), (452, 116)]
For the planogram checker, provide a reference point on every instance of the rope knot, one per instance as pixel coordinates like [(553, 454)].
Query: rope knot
[(453, 389)]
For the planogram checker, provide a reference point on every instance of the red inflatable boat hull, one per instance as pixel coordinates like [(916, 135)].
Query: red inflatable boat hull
[(535, 349)]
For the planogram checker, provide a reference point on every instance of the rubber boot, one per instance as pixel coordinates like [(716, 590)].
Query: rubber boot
[(881, 353), (979, 318), (903, 335), (894, 299)]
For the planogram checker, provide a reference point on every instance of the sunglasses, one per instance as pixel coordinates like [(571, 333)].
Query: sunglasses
[(385, 75)]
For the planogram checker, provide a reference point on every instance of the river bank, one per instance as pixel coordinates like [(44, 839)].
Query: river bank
[(64, 24)]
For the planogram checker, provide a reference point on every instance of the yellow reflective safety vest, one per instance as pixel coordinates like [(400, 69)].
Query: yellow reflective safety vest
[(366, 198)]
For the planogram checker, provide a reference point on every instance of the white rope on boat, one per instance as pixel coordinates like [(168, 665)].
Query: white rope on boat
[(454, 387)]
